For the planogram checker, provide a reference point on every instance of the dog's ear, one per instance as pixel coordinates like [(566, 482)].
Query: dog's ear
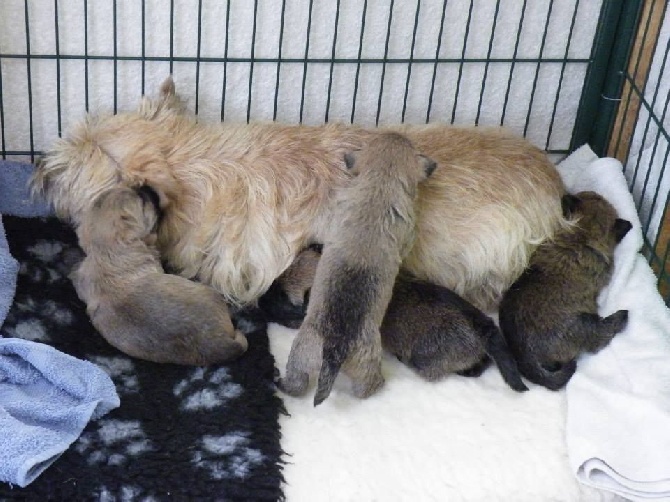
[(621, 228), (429, 165), (569, 204)]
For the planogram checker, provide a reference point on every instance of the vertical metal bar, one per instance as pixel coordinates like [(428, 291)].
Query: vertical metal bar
[(603, 83), (281, 43), (560, 78), (511, 69), (225, 63), (386, 53), (116, 61), (58, 93), (86, 55), (251, 63), (144, 52), (358, 61), (2, 117), (460, 67), (537, 68), (411, 59), (171, 37), (437, 57), (304, 68), (332, 60), (30, 82), (197, 58), (488, 61)]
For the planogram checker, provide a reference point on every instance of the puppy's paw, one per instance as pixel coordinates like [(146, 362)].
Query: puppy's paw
[(294, 385)]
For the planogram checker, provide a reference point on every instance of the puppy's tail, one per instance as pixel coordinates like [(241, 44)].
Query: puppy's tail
[(497, 349), (332, 360), (553, 378)]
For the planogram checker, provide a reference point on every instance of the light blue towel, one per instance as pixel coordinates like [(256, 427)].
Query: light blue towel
[(46, 399), (15, 200)]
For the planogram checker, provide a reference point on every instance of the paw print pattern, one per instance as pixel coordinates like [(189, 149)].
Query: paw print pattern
[(121, 370), (227, 456), (57, 260), (206, 389), (118, 442), (30, 329)]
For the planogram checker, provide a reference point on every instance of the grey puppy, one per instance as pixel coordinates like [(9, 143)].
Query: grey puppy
[(550, 315), (135, 306), (371, 230), (428, 327)]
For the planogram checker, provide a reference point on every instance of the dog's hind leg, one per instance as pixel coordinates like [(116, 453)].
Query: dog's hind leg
[(591, 332)]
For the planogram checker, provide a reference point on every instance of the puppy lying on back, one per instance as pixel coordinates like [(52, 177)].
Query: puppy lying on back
[(371, 231), (550, 315), (138, 308), (428, 327)]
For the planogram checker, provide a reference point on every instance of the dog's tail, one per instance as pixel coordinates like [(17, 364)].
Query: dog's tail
[(497, 349), (553, 378), (333, 358)]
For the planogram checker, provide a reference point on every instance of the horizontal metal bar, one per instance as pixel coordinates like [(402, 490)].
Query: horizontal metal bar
[(188, 59)]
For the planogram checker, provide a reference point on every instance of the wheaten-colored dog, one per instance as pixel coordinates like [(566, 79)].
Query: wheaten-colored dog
[(372, 230), (134, 305), (242, 200)]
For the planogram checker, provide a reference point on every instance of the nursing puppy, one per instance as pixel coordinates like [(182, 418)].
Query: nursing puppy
[(372, 229), (550, 315), (428, 327), (241, 201), (134, 305)]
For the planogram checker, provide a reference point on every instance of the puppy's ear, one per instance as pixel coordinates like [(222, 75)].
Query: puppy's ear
[(621, 228), (569, 204), (429, 165)]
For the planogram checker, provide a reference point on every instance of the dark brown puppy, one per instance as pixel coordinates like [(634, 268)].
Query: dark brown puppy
[(550, 315), (428, 327)]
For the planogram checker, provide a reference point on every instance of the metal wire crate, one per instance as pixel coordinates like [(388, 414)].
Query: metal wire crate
[(553, 71)]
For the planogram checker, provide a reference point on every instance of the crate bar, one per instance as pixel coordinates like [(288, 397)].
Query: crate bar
[(58, 90), (358, 61), (332, 62), (198, 50), (437, 57), (560, 79), (304, 68), (460, 67), (281, 43), (171, 59), (603, 83), (144, 49), (30, 82), (486, 66), (411, 58), (386, 53), (511, 70), (86, 55), (116, 60), (225, 63), (2, 117), (537, 68), (251, 63)]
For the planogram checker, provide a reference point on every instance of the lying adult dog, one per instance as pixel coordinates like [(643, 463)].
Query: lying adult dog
[(241, 200)]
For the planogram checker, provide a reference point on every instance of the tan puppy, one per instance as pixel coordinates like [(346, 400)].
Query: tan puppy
[(138, 308), (550, 315), (372, 230), (242, 200)]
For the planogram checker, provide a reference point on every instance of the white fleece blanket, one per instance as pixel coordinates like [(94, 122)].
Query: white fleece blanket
[(477, 440)]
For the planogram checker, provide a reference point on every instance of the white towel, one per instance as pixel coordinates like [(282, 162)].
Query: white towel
[(618, 422)]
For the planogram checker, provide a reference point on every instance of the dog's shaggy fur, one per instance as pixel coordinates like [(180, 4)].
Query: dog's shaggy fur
[(550, 315), (241, 200), (372, 229), (136, 306)]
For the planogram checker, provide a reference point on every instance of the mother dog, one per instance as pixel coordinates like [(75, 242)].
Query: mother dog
[(241, 200)]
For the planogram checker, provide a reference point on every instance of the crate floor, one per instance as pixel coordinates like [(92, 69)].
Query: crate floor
[(181, 433)]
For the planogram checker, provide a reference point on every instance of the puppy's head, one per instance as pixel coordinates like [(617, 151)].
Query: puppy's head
[(392, 154), (120, 215), (598, 220)]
